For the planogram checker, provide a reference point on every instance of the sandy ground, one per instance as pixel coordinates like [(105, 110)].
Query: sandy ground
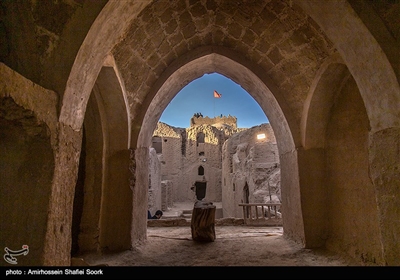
[(233, 246), (238, 252)]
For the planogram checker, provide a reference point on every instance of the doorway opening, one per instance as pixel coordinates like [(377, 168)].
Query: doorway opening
[(201, 188)]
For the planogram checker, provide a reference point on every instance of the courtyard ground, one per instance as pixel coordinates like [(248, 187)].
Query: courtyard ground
[(235, 245), (238, 252)]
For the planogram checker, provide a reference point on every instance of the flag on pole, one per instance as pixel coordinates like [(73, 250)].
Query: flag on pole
[(216, 94)]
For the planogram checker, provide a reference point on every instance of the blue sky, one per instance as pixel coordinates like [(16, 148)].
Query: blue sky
[(198, 97)]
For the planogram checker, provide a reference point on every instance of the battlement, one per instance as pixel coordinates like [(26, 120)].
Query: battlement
[(198, 119)]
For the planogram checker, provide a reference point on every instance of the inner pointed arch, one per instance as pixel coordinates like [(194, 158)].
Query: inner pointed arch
[(317, 108), (207, 60)]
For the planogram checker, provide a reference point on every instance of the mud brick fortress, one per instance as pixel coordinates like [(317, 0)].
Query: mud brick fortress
[(214, 160)]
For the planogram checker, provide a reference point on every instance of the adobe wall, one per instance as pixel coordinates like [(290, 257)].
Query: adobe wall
[(160, 191), (170, 156), (250, 163), (225, 120), (155, 196), (166, 195), (231, 159), (182, 156), (347, 180), (28, 128)]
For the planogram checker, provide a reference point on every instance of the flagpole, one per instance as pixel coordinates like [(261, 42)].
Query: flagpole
[(216, 95), (214, 106)]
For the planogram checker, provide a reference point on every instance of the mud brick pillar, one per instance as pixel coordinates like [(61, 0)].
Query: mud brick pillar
[(203, 221)]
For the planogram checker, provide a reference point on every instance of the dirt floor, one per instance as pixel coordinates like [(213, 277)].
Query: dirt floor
[(233, 246), (238, 252)]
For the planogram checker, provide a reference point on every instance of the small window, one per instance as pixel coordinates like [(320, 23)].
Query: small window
[(201, 154), (157, 144), (261, 136), (200, 137), (200, 170)]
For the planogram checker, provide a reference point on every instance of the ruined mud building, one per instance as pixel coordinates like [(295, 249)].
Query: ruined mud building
[(209, 160)]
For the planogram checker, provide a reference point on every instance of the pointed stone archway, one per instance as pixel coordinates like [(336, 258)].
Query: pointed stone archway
[(211, 59), (105, 168)]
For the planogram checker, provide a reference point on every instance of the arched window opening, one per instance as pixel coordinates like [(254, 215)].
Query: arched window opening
[(200, 170)]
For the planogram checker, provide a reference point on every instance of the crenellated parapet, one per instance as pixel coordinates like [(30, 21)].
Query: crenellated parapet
[(198, 119)]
